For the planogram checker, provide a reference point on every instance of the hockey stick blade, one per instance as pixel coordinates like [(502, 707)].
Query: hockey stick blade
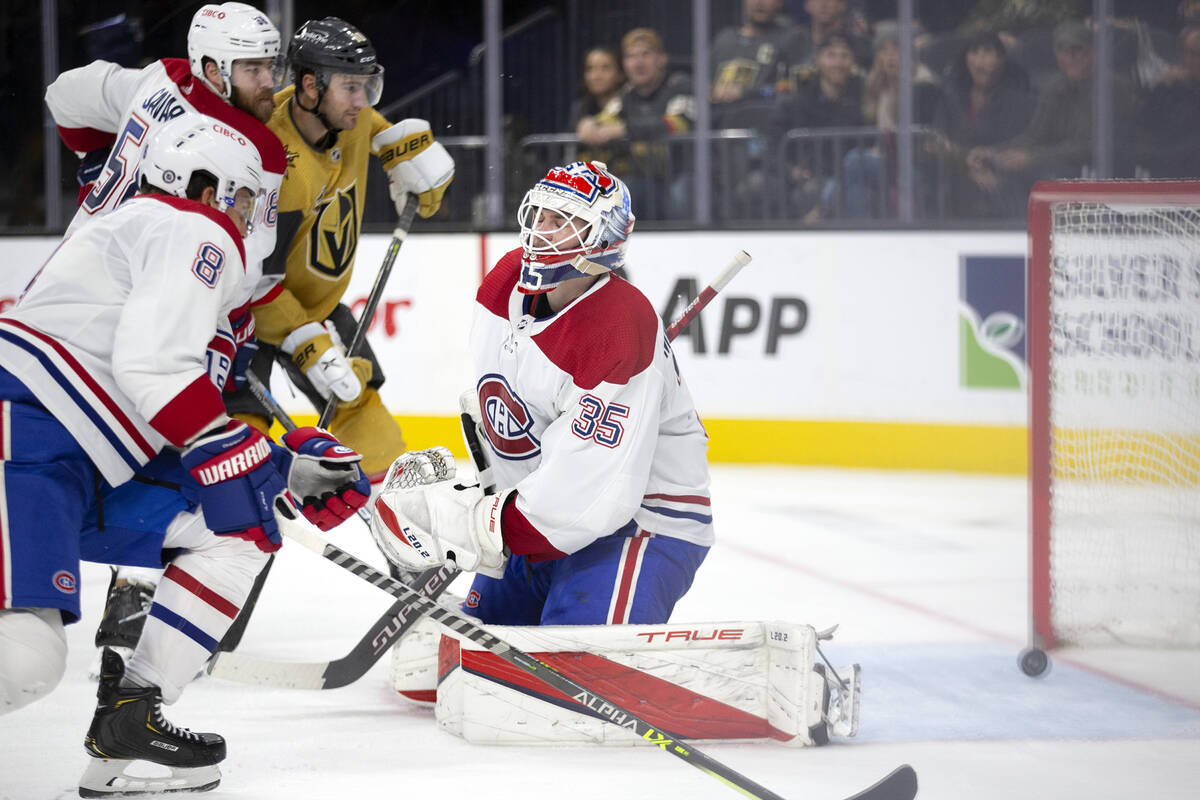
[(899, 784), (601, 706), (397, 621)]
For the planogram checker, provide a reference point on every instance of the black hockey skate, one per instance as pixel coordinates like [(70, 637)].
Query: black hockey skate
[(129, 727)]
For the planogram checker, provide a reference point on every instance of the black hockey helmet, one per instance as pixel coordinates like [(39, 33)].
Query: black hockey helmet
[(327, 46)]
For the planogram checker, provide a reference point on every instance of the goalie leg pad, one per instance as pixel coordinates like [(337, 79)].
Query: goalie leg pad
[(414, 669), (716, 681)]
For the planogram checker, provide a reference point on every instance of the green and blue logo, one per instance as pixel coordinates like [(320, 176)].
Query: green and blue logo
[(991, 351)]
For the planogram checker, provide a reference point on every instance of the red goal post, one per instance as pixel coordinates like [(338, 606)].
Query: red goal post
[(1113, 316)]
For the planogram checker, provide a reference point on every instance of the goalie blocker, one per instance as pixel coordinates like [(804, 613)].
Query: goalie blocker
[(724, 681)]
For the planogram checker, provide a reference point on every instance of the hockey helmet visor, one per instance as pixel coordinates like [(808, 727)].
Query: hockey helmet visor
[(331, 46)]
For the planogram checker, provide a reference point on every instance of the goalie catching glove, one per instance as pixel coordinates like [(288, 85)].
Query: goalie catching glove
[(323, 477), (423, 519), (415, 164), (326, 367)]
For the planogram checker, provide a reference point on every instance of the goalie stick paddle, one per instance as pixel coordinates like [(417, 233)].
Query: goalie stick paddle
[(900, 784), (385, 632), (364, 320)]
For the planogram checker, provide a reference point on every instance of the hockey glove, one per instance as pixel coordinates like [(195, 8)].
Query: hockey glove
[(91, 165), (326, 367), (238, 483), (324, 477), (423, 519), (415, 164), (241, 365)]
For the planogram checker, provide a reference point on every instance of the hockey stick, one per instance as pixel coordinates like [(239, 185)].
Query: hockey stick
[(394, 623), (708, 293), (364, 320), (264, 396), (260, 391), (900, 784), (339, 672), (383, 633)]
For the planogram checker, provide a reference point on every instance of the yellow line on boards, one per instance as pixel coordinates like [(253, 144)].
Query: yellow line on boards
[(995, 449)]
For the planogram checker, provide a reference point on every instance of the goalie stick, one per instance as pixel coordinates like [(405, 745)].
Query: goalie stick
[(398, 619), (899, 784), (708, 293)]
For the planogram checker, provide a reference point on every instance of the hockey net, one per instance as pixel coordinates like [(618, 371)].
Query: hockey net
[(1114, 360)]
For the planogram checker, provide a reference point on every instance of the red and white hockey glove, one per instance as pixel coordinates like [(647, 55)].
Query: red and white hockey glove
[(324, 477), (423, 519), (238, 483)]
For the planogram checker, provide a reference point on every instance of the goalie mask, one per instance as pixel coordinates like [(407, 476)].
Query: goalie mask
[(192, 143), (574, 222), (228, 32)]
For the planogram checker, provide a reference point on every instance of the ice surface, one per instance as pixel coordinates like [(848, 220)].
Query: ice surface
[(924, 572)]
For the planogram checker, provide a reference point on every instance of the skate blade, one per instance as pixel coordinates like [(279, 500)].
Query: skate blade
[(112, 777)]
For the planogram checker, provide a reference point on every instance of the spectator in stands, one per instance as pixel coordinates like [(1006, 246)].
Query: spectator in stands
[(751, 68), (1058, 141), (987, 100), (750, 65), (1169, 116), (867, 182), (828, 95), (655, 105), (833, 18), (596, 113)]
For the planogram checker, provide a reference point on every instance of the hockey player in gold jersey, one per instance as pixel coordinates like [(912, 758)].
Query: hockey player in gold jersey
[(329, 128)]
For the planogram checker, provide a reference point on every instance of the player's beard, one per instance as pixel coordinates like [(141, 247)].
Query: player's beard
[(258, 103)]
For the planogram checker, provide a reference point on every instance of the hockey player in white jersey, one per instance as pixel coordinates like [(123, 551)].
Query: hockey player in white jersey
[(106, 112), (104, 364), (603, 513)]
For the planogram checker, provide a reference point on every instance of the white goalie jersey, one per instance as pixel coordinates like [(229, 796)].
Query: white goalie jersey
[(587, 414), (104, 105), (112, 335)]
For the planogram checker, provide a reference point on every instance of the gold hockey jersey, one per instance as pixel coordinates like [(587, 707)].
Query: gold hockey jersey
[(320, 215)]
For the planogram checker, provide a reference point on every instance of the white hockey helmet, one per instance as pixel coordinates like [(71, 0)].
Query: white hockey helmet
[(227, 32), (596, 222), (194, 142)]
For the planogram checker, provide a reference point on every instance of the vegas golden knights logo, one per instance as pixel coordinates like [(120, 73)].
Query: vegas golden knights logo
[(333, 239)]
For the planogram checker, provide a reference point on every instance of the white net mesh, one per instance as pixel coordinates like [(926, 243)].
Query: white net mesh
[(1125, 416)]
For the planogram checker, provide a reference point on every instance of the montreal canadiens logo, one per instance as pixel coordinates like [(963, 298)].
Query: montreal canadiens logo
[(506, 420), (64, 581)]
